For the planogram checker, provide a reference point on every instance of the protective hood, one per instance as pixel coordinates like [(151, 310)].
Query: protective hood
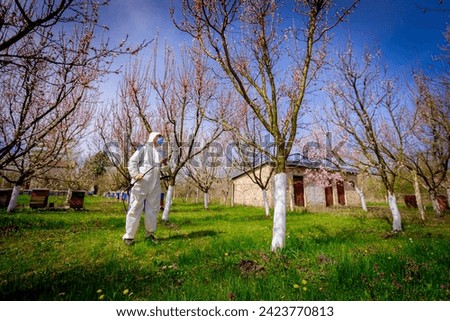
[(152, 137)]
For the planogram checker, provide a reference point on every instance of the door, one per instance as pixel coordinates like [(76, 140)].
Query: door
[(329, 196), (340, 192), (299, 192)]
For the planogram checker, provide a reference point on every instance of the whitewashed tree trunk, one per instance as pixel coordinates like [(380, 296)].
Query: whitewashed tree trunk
[(168, 204), (418, 197), (362, 197), (225, 193), (291, 194), (397, 219), (206, 200), (448, 197), (435, 203), (266, 202), (196, 197), (68, 196), (279, 213), (232, 195), (14, 197)]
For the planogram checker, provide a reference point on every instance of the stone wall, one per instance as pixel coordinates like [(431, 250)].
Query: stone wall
[(245, 192)]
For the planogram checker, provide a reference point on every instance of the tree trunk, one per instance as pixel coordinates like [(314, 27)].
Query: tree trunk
[(448, 197), (418, 197), (279, 213), (362, 198), (266, 202), (206, 200), (397, 219), (68, 196), (168, 204), (232, 195), (196, 197), (225, 193), (291, 194), (14, 197), (435, 203)]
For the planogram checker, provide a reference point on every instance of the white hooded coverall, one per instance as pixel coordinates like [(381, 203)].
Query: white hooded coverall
[(145, 193)]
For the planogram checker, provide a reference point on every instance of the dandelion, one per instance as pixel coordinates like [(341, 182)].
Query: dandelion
[(305, 288), (296, 286), (101, 297), (99, 291), (304, 282), (126, 291)]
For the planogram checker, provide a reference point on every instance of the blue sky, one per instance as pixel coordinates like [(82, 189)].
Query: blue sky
[(406, 35)]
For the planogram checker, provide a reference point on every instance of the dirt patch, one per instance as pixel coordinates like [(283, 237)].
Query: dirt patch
[(249, 267), (323, 259)]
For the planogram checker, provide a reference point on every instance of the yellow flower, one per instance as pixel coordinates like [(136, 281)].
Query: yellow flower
[(304, 288), (101, 297), (99, 291), (296, 286), (126, 291), (304, 282)]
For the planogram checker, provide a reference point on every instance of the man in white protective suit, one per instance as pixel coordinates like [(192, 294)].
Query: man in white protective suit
[(144, 167)]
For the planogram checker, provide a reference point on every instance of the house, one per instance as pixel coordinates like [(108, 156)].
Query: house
[(301, 191)]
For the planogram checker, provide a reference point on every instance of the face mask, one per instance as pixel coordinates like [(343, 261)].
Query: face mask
[(160, 141)]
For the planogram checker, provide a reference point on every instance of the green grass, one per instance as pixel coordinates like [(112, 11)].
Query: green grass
[(222, 254)]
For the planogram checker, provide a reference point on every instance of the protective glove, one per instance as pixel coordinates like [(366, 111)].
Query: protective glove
[(138, 177)]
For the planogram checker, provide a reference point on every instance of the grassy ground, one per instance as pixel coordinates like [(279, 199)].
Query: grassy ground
[(222, 254)]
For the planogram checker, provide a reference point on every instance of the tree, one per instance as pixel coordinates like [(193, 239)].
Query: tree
[(246, 41), (96, 167), (333, 164), (50, 54), (123, 125), (429, 151), (365, 106), (250, 150), (184, 95), (202, 172), (49, 152), (19, 19)]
